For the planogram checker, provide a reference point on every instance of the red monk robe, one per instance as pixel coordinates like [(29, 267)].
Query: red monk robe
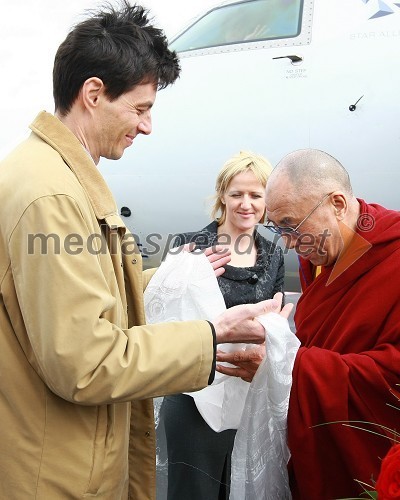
[(348, 362)]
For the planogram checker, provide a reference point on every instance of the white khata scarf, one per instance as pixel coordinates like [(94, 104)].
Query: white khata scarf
[(185, 288)]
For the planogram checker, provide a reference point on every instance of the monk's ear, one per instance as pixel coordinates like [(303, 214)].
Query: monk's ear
[(92, 91), (339, 202)]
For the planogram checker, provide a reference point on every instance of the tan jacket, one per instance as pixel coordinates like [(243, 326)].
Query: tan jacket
[(72, 352)]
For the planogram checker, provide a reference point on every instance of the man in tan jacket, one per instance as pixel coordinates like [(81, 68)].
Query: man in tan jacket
[(77, 362)]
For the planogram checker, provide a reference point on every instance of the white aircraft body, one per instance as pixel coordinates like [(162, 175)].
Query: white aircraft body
[(269, 76)]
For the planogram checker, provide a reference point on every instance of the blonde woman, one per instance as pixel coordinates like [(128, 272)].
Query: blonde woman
[(198, 457)]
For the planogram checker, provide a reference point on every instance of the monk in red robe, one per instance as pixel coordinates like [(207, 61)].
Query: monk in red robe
[(348, 321)]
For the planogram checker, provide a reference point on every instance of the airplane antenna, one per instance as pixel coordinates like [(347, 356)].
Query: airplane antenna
[(352, 107), (293, 58)]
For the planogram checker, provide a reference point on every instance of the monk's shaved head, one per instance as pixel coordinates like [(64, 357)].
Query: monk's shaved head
[(309, 201), (312, 171)]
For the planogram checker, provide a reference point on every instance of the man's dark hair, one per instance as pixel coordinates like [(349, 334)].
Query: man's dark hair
[(120, 47)]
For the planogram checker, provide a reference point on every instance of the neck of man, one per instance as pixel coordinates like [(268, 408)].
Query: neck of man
[(77, 126)]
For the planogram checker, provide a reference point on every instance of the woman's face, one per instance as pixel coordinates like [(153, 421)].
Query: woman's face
[(244, 201)]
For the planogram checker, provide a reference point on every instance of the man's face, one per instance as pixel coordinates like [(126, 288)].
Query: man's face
[(118, 122), (319, 241)]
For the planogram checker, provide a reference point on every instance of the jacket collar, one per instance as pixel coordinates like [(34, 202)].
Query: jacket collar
[(59, 137)]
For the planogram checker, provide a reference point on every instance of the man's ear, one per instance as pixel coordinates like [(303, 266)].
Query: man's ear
[(92, 89), (340, 202)]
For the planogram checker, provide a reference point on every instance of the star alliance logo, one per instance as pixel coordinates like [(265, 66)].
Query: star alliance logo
[(380, 8)]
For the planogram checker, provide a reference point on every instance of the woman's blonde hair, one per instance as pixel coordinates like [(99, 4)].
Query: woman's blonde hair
[(242, 162)]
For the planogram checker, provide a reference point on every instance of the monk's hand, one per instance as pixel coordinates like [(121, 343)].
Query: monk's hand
[(245, 362), (239, 323), (217, 256)]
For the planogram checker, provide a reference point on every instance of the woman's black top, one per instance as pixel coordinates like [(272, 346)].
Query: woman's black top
[(244, 285)]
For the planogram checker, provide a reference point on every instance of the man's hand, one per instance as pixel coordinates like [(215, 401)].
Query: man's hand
[(238, 324), (247, 362)]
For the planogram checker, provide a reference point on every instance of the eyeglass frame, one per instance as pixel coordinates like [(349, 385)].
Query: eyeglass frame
[(293, 231)]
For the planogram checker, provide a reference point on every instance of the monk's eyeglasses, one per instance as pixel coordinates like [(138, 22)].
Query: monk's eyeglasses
[(293, 231)]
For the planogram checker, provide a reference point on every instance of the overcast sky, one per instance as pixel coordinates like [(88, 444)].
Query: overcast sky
[(30, 33)]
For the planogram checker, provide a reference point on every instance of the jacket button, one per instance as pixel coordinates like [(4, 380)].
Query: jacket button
[(253, 279), (147, 434), (134, 261)]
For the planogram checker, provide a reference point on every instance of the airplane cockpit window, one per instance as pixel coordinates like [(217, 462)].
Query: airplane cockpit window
[(242, 22)]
